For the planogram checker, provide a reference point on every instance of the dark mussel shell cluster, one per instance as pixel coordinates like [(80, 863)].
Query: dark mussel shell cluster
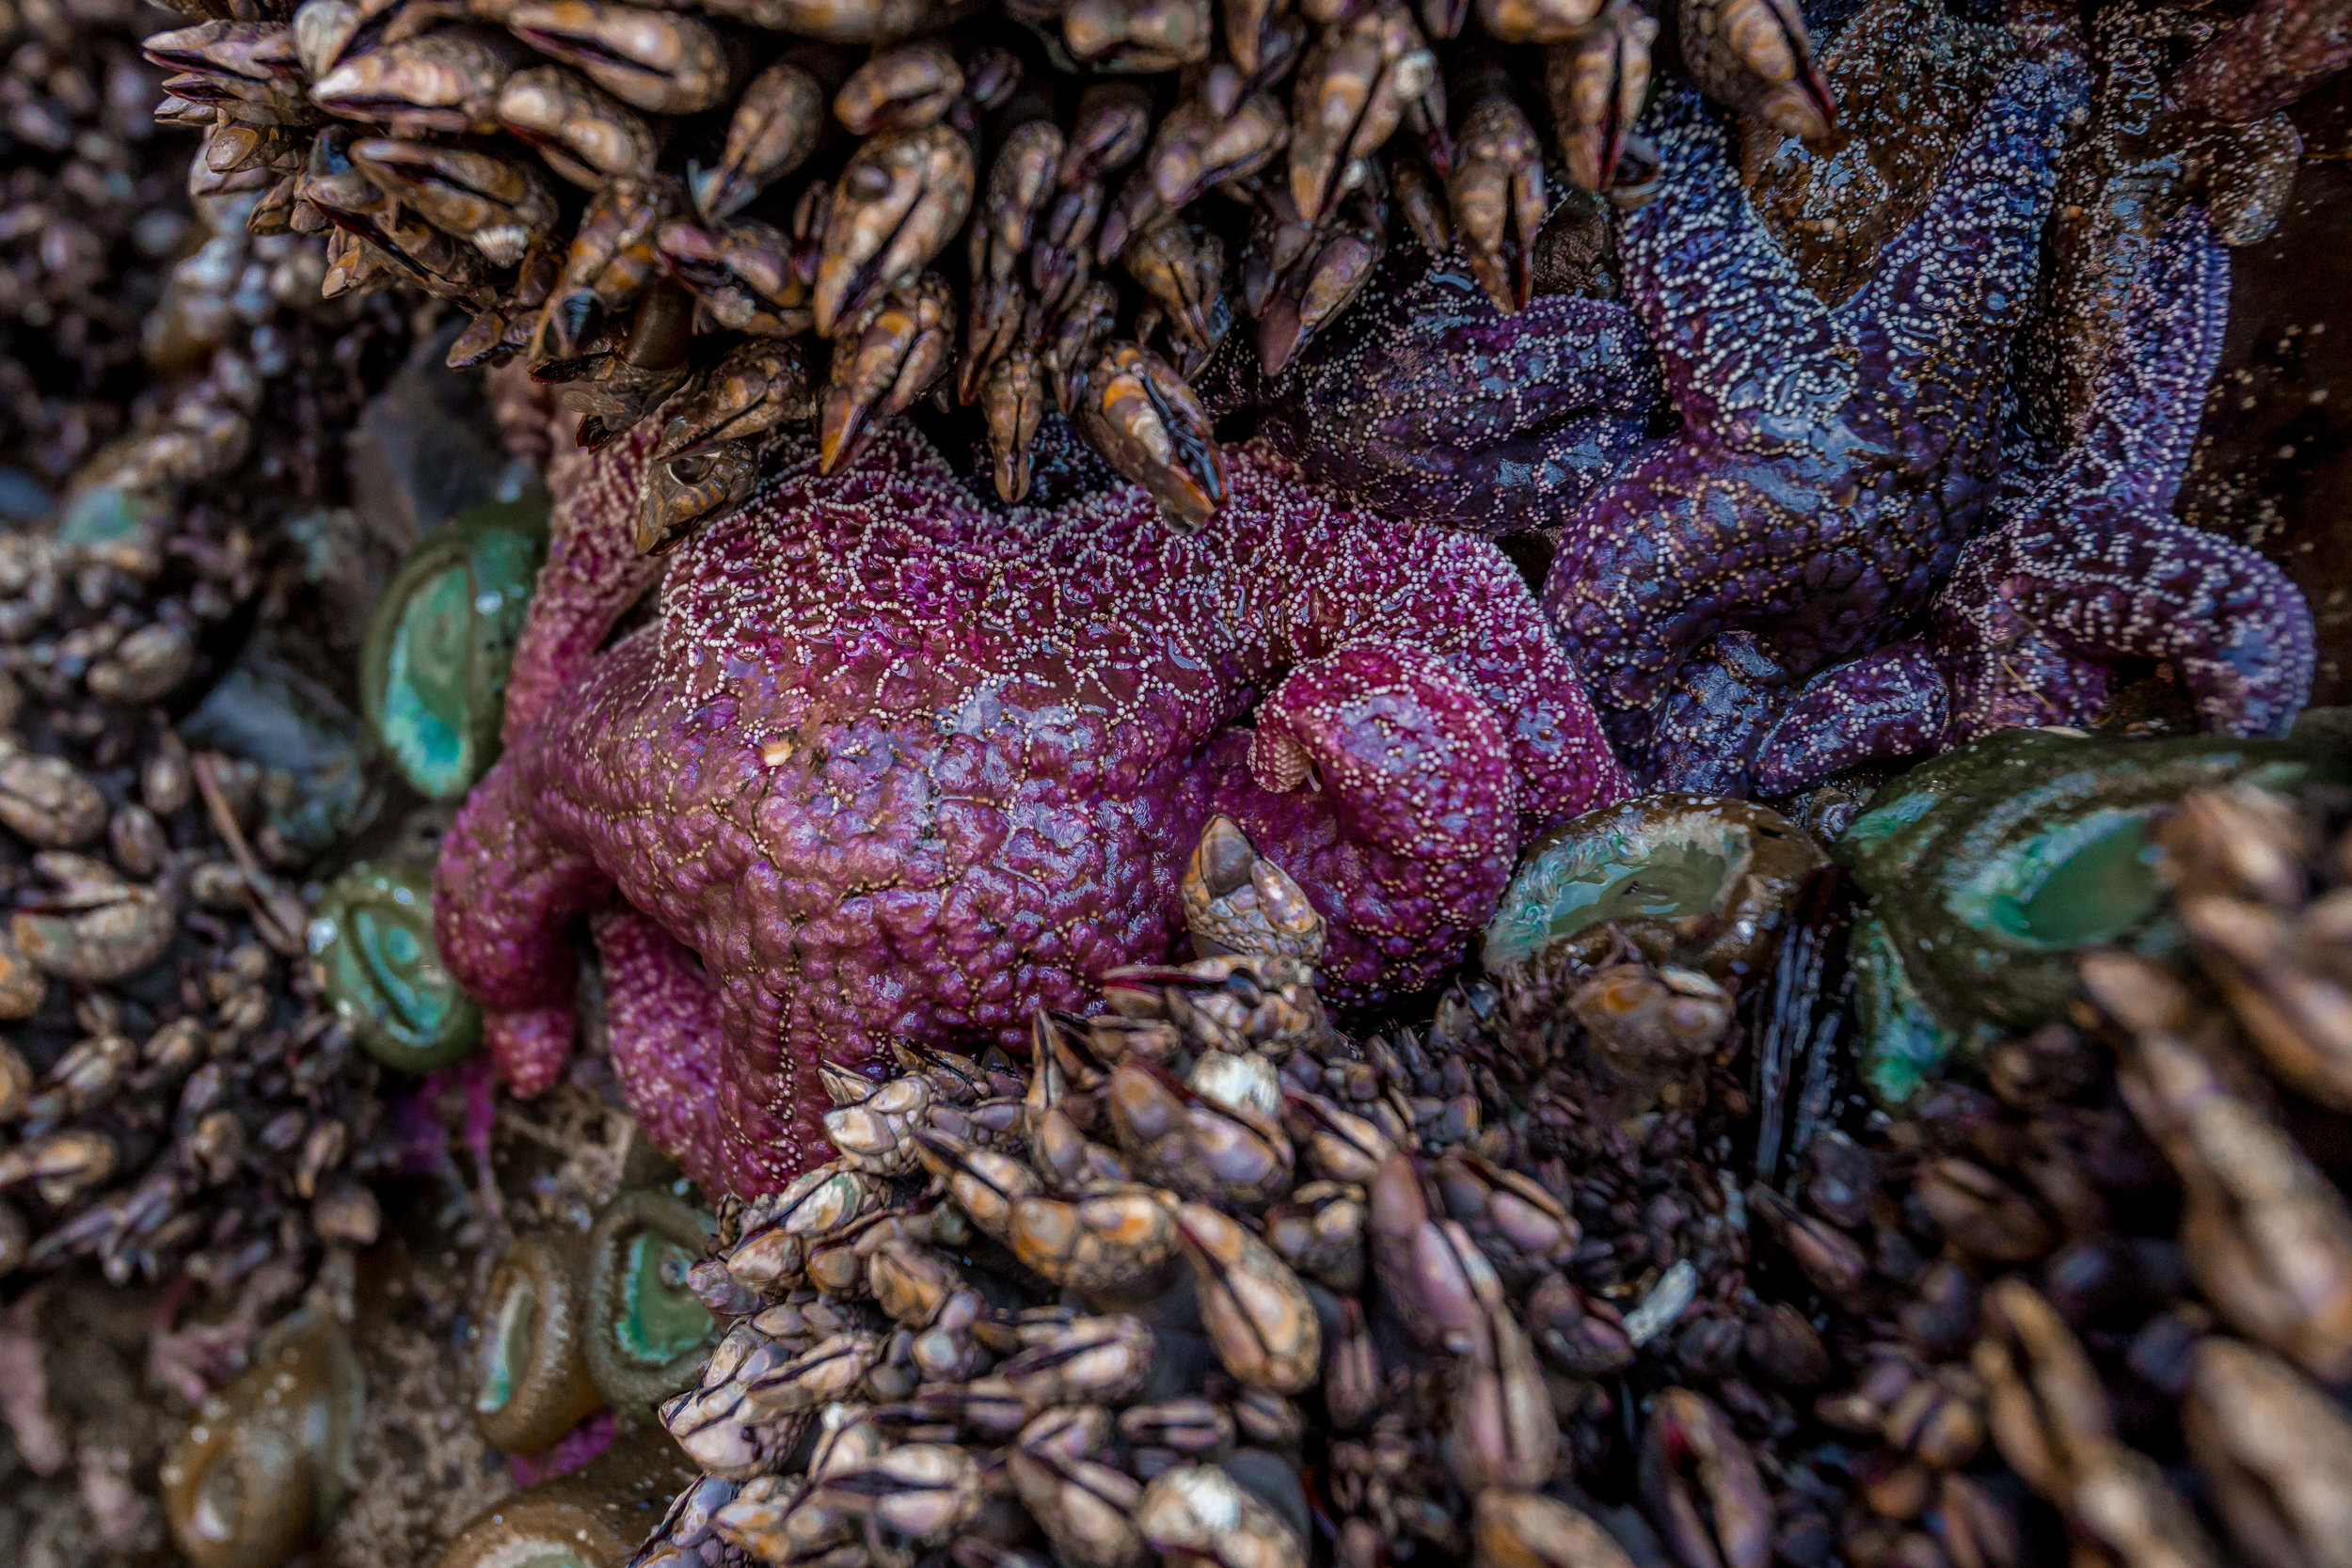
[(660, 207)]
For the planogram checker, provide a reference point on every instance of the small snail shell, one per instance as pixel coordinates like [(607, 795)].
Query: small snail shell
[(647, 1333), (534, 1370), (261, 1471)]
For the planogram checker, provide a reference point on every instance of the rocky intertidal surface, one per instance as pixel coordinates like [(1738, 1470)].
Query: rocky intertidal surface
[(727, 842), (1582, 1270), (623, 194)]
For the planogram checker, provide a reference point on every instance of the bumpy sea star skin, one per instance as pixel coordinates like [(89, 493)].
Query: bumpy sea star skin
[(2091, 568), (1908, 76), (2266, 59), (894, 764), (1833, 461), (2128, 168), (1427, 403)]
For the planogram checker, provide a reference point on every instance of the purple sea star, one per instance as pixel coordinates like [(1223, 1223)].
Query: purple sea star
[(2266, 59), (1425, 402), (2091, 569), (1834, 460), (898, 764)]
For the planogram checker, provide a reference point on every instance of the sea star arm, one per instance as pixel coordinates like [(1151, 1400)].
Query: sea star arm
[(1929, 386), (1416, 761), (1892, 701), (2266, 59), (1724, 697), (2101, 588), (503, 895), (591, 576), (1750, 356), (1395, 789), (662, 1028), (1436, 408), (2136, 443), (2093, 569)]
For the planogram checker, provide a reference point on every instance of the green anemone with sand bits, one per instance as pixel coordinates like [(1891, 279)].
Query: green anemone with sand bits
[(649, 1333), (595, 1518), (535, 1385), (372, 940), (433, 670), (1690, 880), (261, 1471), (1991, 868)]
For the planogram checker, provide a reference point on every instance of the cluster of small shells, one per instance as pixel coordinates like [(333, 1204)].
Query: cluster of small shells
[(89, 218), (1210, 1282), (2091, 1302), (672, 205), (172, 1092), (171, 1088)]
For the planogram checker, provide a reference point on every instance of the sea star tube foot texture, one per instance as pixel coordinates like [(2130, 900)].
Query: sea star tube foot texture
[(1426, 403), (661, 1018), (894, 763), (2089, 568), (2267, 59), (1833, 461)]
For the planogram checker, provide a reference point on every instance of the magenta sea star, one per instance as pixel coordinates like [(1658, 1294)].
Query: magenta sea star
[(894, 763)]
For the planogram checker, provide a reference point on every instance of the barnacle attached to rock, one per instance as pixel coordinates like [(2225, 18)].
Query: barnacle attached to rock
[(179, 1104), (1306, 108)]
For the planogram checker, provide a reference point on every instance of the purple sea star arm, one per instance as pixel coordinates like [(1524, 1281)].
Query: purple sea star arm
[(1426, 403), (2002, 671), (1749, 354), (1725, 696), (1929, 392), (1892, 701), (505, 894), (2136, 443), (1412, 766), (2093, 569), (2100, 588), (1834, 465), (2266, 59), (1414, 755), (663, 1020)]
